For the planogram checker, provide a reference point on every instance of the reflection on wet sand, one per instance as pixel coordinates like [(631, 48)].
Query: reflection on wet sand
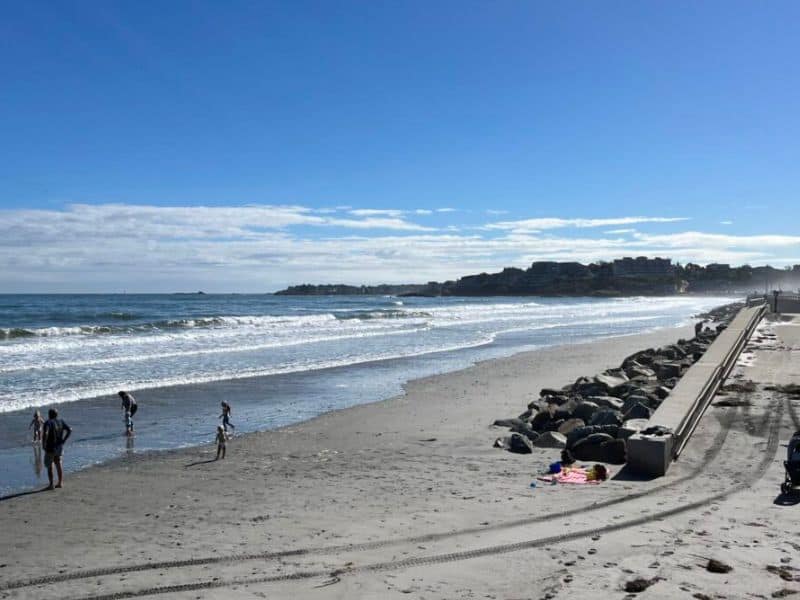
[(37, 460)]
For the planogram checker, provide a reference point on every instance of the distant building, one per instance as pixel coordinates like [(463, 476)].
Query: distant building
[(641, 266)]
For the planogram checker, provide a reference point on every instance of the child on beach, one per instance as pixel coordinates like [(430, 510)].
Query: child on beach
[(226, 416), (37, 423), (222, 438)]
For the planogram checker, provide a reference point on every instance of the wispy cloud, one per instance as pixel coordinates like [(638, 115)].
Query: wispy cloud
[(726, 222), (558, 223), (620, 231)]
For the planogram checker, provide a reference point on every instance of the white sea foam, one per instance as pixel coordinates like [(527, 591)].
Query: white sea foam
[(75, 362)]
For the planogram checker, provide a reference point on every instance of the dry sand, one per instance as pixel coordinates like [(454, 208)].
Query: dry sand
[(407, 499)]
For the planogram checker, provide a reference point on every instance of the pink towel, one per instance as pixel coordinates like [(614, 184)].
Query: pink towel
[(576, 475)]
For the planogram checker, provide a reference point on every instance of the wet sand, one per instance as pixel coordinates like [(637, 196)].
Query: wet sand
[(406, 498)]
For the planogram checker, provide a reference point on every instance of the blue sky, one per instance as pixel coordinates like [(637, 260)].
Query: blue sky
[(243, 146)]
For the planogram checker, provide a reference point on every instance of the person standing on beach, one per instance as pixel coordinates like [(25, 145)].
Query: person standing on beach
[(222, 439), (54, 434), (37, 423), (129, 407), (226, 417)]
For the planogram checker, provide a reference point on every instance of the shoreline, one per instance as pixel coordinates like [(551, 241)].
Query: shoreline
[(189, 448)]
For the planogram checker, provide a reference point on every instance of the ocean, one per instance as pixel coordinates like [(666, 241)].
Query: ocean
[(277, 359)]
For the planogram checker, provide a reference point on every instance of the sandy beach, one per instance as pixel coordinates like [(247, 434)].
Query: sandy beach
[(406, 498)]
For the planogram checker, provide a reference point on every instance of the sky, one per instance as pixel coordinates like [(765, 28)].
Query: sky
[(245, 146)]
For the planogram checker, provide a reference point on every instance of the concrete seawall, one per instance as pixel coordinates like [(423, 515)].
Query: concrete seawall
[(680, 412)]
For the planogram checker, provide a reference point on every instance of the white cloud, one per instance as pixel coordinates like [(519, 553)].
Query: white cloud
[(726, 222), (490, 211), (372, 212), (261, 248), (445, 210), (558, 223), (619, 231), (423, 211)]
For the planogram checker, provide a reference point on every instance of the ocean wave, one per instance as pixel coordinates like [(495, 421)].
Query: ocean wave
[(11, 403)]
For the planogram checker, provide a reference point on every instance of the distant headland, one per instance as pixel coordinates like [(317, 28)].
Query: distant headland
[(627, 276)]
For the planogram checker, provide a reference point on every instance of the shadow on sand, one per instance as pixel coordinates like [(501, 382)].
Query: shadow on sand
[(200, 462), (627, 474), (20, 494)]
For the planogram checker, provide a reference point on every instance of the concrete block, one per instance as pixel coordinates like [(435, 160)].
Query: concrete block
[(649, 454)]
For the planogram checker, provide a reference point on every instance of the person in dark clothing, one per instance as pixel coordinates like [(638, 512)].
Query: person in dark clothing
[(226, 416), (54, 434), (129, 407)]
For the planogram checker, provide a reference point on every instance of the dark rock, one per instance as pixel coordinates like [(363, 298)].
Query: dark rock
[(640, 372), (607, 402), (643, 357), (667, 369), (716, 566), (597, 438), (628, 388), (525, 430), (640, 584), (508, 423), (662, 392), (519, 444), (606, 416), (580, 433), (638, 411), (551, 439), (540, 420), (569, 425), (599, 447), (651, 403), (610, 381), (585, 410), (591, 388), (526, 415), (562, 413)]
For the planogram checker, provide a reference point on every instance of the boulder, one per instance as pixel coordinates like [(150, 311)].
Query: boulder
[(585, 410), (666, 369), (643, 357), (597, 449), (591, 388), (551, 439), (519, 444), (595, 438), (638, 411), (508, 423), (540, 420), (662, 392), (636, 424), (579, 433), (526, 430), (641, 373), (606, 416), (611, 381), (627, 388), (535, 405), (611, 402), (634, 400), (570, 424)]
